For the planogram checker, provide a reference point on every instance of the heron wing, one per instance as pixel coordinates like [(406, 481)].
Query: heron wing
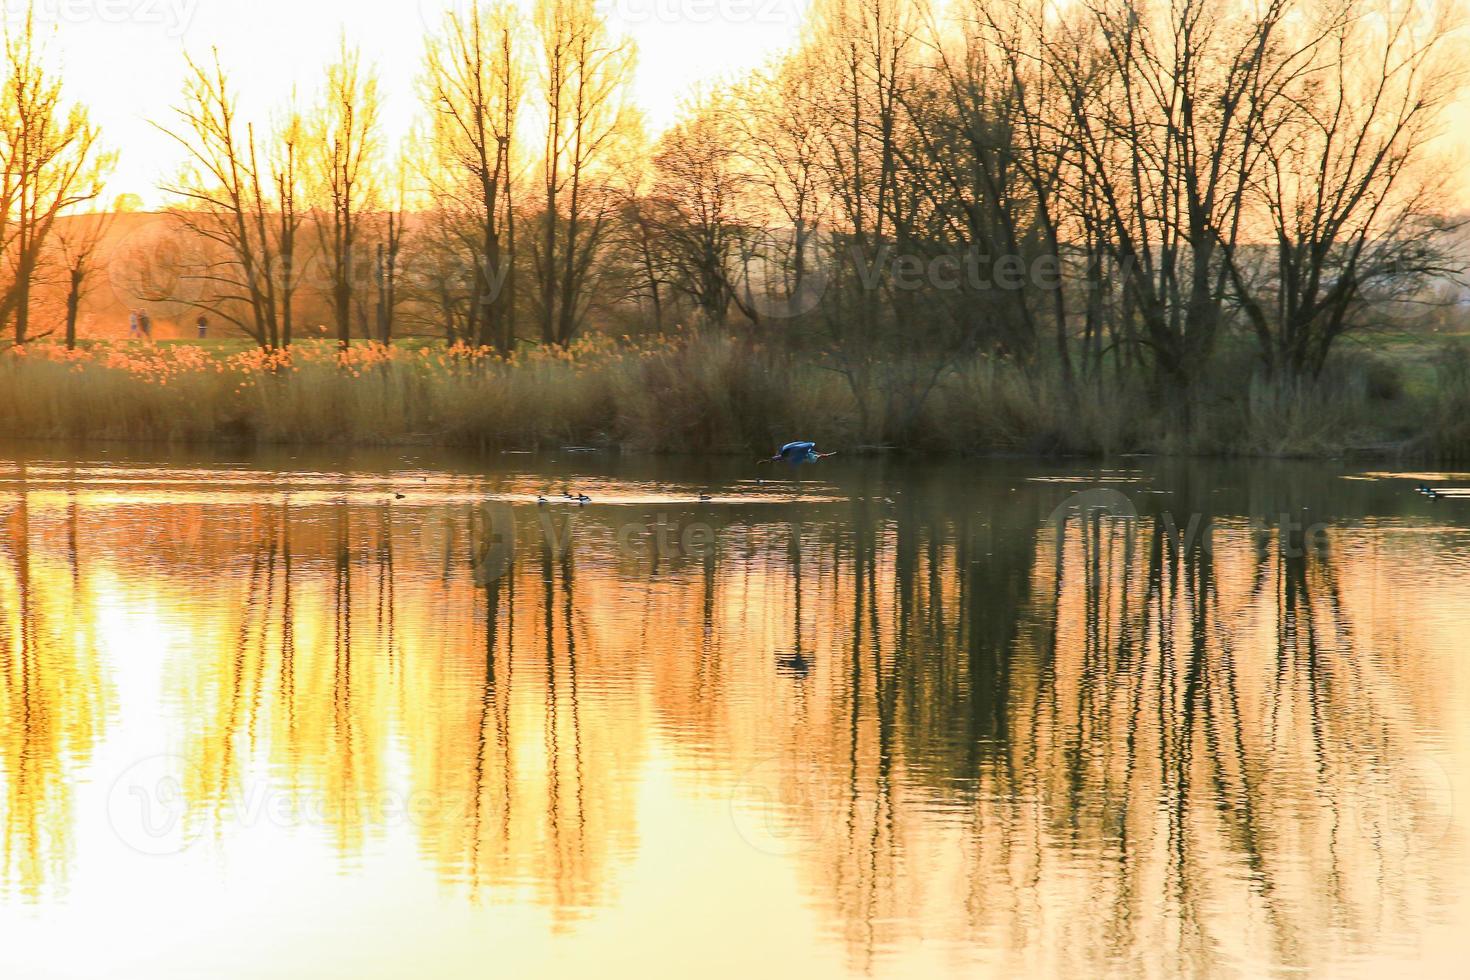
[(797, 447)]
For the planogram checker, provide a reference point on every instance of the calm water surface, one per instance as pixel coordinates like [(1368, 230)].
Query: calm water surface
[(267, 718)]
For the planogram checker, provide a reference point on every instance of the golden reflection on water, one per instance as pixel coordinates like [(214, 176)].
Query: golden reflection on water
[(964, 737), (54, 699)]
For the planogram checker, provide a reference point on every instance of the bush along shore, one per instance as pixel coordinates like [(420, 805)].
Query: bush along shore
[(715, 394)]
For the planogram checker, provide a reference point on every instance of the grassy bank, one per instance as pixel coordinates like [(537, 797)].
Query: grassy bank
[(712, 395)]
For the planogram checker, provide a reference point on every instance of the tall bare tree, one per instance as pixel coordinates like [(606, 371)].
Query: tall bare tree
[(585, 74), (865, 53), (781, 142), (474, 88), (699, 206), (50, 162), (78, 241), (237, 202), (1355, 94), (386, 271), (287, 149), (639, 240), (345, 150)]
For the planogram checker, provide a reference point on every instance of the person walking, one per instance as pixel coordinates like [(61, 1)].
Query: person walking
[(132, 324), (146, 322), (203, 324)]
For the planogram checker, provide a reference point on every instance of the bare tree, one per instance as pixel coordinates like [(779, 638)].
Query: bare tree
[(865, 57), (390, 248), (639, 245), (697, 210), (1356, 92), (50, 162), (1164, 132), (781, 142), (239, 209), (474, 87), (289, 145), (345, 146), (584, 79), (77, 240)]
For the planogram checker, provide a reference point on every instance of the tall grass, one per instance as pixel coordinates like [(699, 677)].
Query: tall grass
[(703, 394), (706, 394), (1450, 431)]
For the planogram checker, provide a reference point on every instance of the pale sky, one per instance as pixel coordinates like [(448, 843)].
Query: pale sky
[(124, 58)]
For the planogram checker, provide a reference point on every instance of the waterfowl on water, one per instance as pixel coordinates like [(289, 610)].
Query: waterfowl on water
[(793, 665)]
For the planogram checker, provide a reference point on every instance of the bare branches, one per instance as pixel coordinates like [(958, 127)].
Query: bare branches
[(1199, 174), (345, 147), (50, 163), (240, 207), (473, 91), (590, 124)]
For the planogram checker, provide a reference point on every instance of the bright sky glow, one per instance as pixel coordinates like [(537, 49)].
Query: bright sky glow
[(125, 58)]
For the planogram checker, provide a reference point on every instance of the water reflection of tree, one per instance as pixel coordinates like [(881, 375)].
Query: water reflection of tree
[(532, 786), (1124, 744), (1140, 768), (1099, 744), (54, 699)]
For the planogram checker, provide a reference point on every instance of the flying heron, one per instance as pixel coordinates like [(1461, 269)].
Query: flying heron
[(794, 454)]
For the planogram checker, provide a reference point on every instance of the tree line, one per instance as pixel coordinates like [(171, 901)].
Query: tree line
[(1102, 188)]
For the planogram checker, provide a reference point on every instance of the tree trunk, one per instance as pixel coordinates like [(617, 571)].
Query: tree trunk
[(73, 303)]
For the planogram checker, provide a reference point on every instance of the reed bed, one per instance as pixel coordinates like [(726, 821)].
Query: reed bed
[(702, 393), (689, 395)]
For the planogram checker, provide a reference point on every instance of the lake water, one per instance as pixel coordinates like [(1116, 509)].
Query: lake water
[(268, 717)]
